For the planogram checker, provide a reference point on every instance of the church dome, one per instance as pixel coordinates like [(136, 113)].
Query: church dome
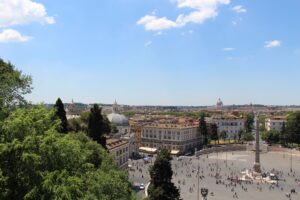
[(117, 119)]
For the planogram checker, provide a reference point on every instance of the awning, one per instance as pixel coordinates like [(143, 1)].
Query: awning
[(148, 149), (175, 152)]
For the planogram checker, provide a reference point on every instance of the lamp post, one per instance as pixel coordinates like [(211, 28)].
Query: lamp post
[(198, 174), (291, 160), (217, 168)]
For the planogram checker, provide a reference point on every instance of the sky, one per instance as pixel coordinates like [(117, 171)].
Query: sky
[(155, 52)]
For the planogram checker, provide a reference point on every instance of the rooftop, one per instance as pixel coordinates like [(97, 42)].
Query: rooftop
[(112, 143), (171, 126)]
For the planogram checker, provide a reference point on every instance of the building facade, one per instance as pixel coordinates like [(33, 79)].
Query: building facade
[(120, 150), (230, 124), (275, 123), (178, 138)]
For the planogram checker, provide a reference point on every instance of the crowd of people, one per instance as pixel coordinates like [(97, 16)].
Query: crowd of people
[(220, 172)]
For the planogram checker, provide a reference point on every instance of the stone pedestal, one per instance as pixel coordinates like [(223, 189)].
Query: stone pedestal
[(256, 167)]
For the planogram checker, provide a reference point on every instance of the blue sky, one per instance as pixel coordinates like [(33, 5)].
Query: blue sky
[(156, 52)]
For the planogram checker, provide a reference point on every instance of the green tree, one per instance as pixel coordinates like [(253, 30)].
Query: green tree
[(37, 162), (272, 136), (240, 134), (248, 137), (61, 115), (282, 136), (98, 126), (203, 128), (13, 86), (262, 119), (161, 186), (214, 133), (293, 128), (75, 125), (223, 135), (249, 122)]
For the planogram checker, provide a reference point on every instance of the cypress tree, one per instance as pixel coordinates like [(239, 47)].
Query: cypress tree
[(161, 186), (61, 114), (203, 128), (98, 126), (214, 132)]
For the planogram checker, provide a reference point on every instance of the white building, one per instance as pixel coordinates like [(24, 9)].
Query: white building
[(133, 144), (178, 138), (275, 123), (120, 149), (228, 123)]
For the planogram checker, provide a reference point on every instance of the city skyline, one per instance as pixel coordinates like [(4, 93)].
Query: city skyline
[(171, 52)]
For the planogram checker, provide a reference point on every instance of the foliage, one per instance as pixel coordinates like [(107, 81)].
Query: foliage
[(129, 113), (240, 134), (214, 132), (249, 122), (262, 119), (293, 128), (271, 136), (98, 126), (223, 135), (79, 124), (161, 186), (13, 86), (75, 125), (203, 128), (37, 162), (248, 137), (61, 115)]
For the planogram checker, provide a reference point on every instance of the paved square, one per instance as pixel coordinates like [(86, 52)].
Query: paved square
[(185, 175)]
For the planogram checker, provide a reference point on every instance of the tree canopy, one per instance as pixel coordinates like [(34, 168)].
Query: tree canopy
[(13, 86), (203, 127), (37, 162), (61, 115), (161, 186), (214, 132), (249, 122), (98, 126), (293, 128)]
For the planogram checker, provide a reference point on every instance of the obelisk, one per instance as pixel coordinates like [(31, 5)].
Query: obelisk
[(256, 166)]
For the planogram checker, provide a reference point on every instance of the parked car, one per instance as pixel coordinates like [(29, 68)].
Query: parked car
[(142, 186)]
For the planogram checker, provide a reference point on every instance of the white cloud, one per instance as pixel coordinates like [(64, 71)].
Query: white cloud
[(153, 23), (272, 44), (10, 35), (16, 12), (239, 9), (202, 11), (148, 43), (228, 49)]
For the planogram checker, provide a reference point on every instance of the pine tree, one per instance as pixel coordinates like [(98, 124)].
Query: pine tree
[(61, 114), (98, 126), (161, 186)]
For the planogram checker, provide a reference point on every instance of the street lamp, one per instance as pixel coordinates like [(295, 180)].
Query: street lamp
[(291, 160), (198, 174), (226, 158)]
